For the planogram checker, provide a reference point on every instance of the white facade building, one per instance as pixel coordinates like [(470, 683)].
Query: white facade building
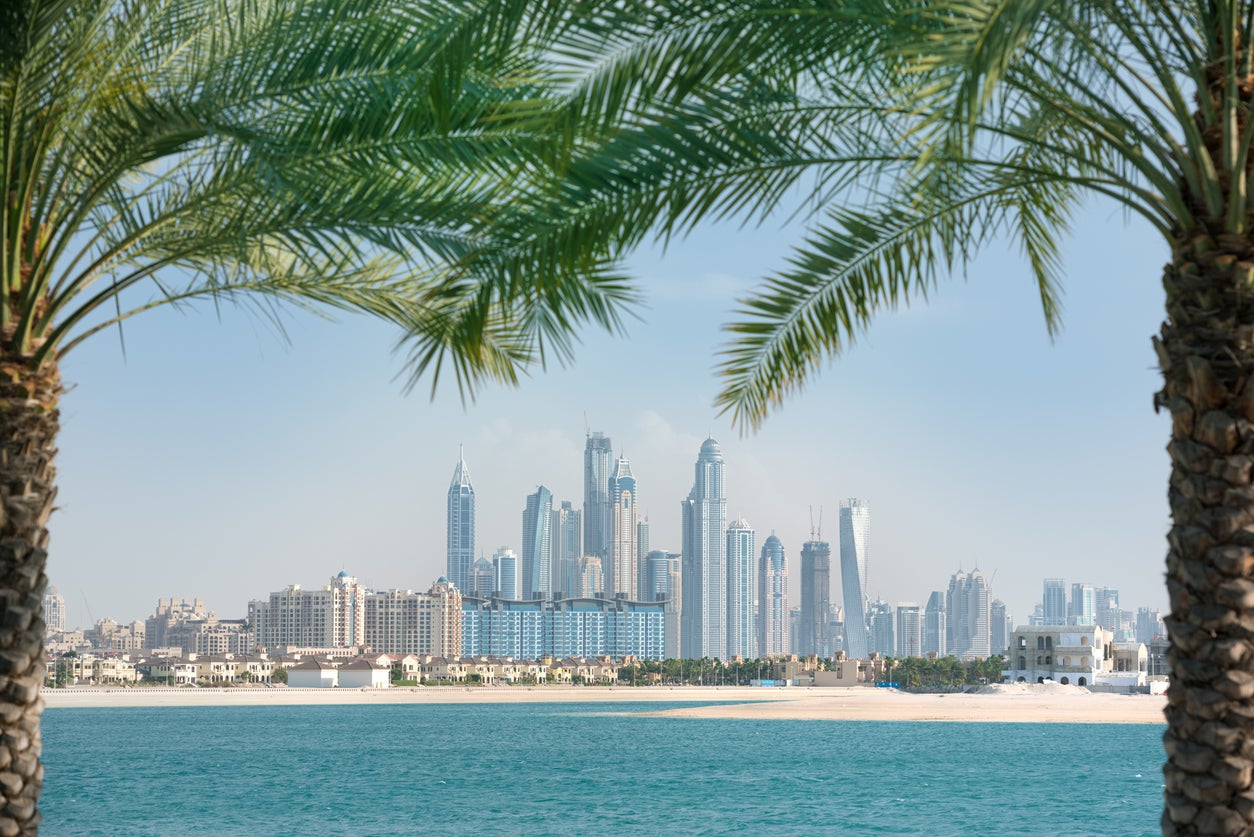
[(742, 591), (855, 533)]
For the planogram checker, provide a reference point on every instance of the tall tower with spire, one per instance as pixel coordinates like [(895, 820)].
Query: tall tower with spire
[(461, 525), (703, 631), (622, 573)]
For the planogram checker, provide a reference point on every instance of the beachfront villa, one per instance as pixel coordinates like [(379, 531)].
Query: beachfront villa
[(1080, 655)]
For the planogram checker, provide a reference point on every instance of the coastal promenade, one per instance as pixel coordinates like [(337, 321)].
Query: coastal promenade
[(1009, 703)]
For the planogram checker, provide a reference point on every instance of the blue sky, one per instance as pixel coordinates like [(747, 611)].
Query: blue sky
[(217, 461)]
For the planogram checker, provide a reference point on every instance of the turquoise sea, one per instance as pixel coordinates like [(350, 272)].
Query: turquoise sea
[(586, 769)]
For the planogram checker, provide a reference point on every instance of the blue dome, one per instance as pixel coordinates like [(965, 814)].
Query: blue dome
[(441, 580), (342, 574)]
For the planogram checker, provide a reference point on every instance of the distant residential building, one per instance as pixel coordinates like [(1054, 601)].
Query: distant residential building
[(855, 532), (663, 582), (909, 630), (508, 574), (660, 567), (54, 610), (814, 627), (565, 547), (622, 572), (882, 628), (333, 616), (169, 613), (461, 525), (1106, 610), (536, 531), (935, 626), (1083, 610), (591, 576), (642, 555), (577, 627), (999, 627), (405, 622), (597, 516), (1149, 625), (1054, 604), (742, 591), (773, 637), (482, 577), (703, 517), (968, 607), (110, 635)]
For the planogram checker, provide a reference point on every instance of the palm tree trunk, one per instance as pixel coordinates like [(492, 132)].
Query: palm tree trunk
[(1207, 358), (28, 430)]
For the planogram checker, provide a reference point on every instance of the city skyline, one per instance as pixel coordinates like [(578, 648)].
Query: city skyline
[(194, 468)]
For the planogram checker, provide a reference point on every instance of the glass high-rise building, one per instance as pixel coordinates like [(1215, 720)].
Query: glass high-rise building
[(703, 515), (536, 532), (969, 607), (773, 636), (622, 573), (1054, 603), (565, 545), (935, 626), (882, 629), (482, 578), (855, 531), (1083, 605), (909, 630), (597, 519), (508, 577), (742, 591), (814, 632), (461, 526)]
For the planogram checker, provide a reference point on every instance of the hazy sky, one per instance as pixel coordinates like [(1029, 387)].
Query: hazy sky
[(216, 461)]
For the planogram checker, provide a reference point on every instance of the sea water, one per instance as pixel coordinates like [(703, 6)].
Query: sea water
[(585, 769)]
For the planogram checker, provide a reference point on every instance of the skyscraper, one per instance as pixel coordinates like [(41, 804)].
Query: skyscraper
[(1083, 605), (935, 625), (642, 560), (881, 628), (742, 591), (773, 638), (909, 630), (814, 631), (1055, 602), (461, 525), (969, 607), (855, 530), (508, 579), (704, 523), (597, 521), (482, 578), (536, 531), (622, 574), (999, 628), (54, 610), (565, 547)]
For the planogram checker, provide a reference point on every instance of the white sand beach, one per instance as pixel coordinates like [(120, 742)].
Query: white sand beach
[(1033, 703)]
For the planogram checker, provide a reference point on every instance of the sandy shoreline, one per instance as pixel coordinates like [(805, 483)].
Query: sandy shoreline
[(1007, 704)]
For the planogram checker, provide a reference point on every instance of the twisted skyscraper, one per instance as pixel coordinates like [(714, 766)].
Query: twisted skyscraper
[(855, 528)]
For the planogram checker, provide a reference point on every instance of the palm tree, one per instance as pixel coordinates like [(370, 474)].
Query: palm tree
[(912, 133), (334, 154)]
